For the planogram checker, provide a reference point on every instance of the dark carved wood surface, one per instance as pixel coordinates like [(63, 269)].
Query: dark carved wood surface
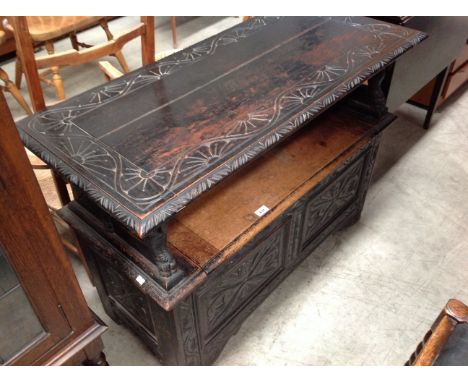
[(241, 282), (146, 144), (219, 223), (330, 202), (193, 321)]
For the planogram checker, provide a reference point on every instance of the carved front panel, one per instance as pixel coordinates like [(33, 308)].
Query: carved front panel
[(229, 292), (326, 206)]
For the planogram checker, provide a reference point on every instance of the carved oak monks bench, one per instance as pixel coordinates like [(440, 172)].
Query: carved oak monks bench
[(183, 266)]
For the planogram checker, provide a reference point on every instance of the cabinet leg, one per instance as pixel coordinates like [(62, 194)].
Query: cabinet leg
[(99, 361), (440, 80)]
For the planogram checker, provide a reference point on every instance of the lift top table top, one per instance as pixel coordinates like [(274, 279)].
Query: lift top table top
[(145, 145)]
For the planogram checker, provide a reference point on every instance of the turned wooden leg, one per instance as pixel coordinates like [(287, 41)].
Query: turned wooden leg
[(58, 83), (18, 73), (119, 55), (174, 31), (14, 91), (56, 77)]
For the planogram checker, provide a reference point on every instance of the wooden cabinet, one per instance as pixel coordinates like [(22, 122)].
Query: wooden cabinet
[(457, 76), (429, 74), (447, 37), (44, 319)]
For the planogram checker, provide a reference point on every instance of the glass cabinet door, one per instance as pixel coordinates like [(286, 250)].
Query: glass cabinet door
[(19, 325)]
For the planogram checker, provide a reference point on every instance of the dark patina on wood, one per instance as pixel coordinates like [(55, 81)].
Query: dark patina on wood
[(145, 145), (232, 258)]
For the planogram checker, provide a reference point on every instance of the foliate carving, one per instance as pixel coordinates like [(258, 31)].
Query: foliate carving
[(128, 296), (161, 192), (185, 314), (234, 288), (322, 208), (369, 167)]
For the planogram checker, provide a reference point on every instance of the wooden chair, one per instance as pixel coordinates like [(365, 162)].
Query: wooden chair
[(174, 31), (10, 86), (446, 343), (30, 64), (30, 31)]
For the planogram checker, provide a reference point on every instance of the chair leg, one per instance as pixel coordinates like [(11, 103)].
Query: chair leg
[(119, 55), (61, 188), (18, 73), (110, 72), (74, 41), (56, 77), (174, 31), (11, 88), (148, 43)]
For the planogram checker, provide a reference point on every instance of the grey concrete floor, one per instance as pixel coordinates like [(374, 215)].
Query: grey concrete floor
[(368, 294)]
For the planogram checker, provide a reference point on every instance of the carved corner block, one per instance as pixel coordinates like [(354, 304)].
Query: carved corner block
[(169, 271)]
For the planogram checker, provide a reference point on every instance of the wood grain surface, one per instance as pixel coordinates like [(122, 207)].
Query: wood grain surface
[(145, 145)]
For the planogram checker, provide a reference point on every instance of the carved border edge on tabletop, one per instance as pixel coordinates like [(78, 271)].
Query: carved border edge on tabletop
[(143, 225)]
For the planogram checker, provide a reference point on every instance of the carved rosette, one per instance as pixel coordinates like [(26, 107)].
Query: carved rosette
[(328, 204)]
